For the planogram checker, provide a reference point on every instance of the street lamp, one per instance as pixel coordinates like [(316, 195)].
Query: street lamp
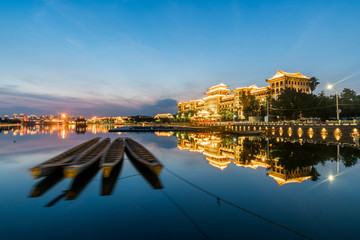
[(330, 87)]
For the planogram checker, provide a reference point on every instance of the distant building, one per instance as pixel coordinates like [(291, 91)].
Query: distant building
[(220, 98), (164, 115), (105, 120), (139, 118)]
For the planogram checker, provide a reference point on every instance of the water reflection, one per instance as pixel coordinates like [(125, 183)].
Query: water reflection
[(150, 176), (82, 180), (110, 171), (61, 130), (108, 183), (285, 161), (195, 187), (47, 183)]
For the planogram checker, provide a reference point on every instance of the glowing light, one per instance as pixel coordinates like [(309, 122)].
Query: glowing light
[(330, 86), (311, 132), (290, 131), (337, 134), (323, 133), (63, 115), (331, 178), (300, 132)]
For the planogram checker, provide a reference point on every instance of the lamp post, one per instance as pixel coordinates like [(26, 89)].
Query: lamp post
[(267, 110), (330, 86)]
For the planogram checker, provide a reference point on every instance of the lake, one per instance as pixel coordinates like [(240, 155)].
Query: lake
[(212, 186)]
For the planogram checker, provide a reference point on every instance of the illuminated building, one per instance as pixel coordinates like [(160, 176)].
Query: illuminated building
[(164, 134), (106, 120), (219, 97), (164, 115), (282, 80)]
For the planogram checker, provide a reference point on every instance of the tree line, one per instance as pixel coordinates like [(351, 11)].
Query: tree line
[(292, 105)]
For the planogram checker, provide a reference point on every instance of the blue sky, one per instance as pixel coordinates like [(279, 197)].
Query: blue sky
[(133, 57)]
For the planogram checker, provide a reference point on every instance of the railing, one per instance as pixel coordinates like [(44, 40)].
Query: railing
[(278, 124)]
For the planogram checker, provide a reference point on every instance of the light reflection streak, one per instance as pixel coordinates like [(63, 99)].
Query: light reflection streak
[(61, 130)]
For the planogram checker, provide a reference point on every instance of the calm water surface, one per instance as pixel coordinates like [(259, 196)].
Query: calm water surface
[(214, 187)]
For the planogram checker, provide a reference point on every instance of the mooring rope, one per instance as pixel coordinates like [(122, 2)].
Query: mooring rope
[(185, 214), (218, 198)]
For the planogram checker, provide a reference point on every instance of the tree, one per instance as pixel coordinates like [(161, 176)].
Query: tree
[(348, 95), (313, 84), (325, 106), (227, 115), (291, 104), (250, 105), (349, 103), (189, 115)]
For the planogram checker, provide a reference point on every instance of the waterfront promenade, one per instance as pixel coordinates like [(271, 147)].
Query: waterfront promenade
[(337, 133)]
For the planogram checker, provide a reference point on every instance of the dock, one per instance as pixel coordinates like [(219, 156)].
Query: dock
[(153, 129)]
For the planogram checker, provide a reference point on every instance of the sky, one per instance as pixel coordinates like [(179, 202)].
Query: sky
[(119, 58)]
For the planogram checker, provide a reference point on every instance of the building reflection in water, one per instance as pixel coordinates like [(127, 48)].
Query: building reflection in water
[(286, 162), (283, 175)]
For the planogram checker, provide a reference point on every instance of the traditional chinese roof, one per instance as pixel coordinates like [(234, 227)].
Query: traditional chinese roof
[(219, 86), (164, 115), (282, 73), (228, 97), (248, 87)]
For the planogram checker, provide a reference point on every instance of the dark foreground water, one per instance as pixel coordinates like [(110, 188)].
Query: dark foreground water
[(214, 187)]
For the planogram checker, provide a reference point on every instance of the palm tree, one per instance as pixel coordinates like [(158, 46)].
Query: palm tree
[(313, 84)]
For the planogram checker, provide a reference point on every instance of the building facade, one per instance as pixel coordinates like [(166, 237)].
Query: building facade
[(220, 97), (282, 80)]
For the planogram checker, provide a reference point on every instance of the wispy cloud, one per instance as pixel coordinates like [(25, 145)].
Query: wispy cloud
[(12, 100), (74, 43)]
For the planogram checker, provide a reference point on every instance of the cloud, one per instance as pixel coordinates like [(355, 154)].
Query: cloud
[(14, 101), (74, 43), (161, 106)]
